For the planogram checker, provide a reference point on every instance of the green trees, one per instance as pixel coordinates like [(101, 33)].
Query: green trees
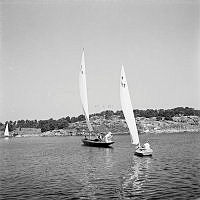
[(73, 119), (120, 114), (108, 114), (51, 124), (81, 118), (62, 123)]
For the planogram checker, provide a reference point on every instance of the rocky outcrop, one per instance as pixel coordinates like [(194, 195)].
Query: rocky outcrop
[(118, 126), (144, 125)]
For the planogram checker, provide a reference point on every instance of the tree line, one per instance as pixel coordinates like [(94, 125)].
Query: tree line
[(160, 114), (62, 123)]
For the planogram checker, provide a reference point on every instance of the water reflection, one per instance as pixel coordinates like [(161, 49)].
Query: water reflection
[(93, 174), (137, 176), (108, 158)]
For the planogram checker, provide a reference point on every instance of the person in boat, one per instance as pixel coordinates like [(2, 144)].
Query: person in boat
[(107, 137), (146, 146), (85, 135), (99, 137)]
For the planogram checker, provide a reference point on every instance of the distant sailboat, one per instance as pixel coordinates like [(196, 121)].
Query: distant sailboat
[(130, 119), (84, 100), (6, 132)]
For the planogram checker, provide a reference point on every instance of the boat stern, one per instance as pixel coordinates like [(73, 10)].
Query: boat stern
[(143, 152)]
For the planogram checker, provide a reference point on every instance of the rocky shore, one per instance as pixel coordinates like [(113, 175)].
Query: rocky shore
[(119, 126)]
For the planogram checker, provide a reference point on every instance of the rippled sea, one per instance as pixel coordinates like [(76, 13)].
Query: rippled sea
[(62, 168)]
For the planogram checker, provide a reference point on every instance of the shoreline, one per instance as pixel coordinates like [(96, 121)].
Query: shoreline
[(114, 134), (118, 126), (161, 132)]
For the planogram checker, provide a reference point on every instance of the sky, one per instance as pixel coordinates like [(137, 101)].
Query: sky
[(41, 46)]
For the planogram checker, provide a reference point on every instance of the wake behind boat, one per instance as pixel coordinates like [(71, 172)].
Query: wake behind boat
[(98, 141), (130, 119)]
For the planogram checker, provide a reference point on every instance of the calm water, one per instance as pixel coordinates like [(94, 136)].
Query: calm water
[(61, 168)]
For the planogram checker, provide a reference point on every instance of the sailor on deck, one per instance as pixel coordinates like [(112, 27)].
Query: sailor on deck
[(147, 146), (108, 137), (99, 137)]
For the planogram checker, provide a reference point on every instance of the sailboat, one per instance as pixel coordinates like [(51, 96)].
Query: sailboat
[(6, 132), (97, 142), (130, 119)]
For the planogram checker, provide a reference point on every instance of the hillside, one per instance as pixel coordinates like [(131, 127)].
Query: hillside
[(178, 119), (119, 126)]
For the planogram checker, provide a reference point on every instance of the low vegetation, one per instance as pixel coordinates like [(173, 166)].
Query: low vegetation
[(179, 118)]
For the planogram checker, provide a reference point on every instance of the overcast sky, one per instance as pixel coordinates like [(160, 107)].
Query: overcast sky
[(41, 46)]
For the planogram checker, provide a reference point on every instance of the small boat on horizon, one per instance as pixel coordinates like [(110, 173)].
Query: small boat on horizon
[(127, 109), (6, 132), (88, 141)]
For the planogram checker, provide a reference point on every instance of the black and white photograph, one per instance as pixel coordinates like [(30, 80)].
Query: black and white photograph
[(99, 99)]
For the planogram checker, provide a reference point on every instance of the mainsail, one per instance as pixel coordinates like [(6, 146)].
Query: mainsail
[(83, 92), (6, 132), (127, 108)]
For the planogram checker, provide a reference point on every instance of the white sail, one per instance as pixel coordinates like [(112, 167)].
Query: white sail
[(6, 132), (127, 108), (83, 91)]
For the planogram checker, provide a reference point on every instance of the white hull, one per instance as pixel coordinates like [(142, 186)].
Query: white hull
[(143, 152)]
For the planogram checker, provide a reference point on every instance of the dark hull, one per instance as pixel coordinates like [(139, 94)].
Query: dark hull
[(95, 143)]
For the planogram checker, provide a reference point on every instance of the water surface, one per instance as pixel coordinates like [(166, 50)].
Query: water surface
[(62, 168)]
